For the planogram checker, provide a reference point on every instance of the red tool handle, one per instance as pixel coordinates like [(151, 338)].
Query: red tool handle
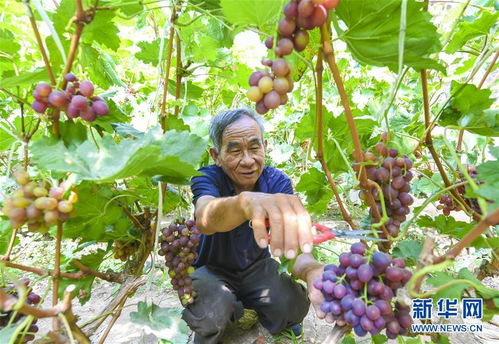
[(324, 235)]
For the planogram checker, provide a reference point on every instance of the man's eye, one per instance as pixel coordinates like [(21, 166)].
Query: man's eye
[(255, 148), (235, 151)]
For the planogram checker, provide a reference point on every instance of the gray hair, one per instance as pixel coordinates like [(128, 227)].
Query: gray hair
[(225, 118)]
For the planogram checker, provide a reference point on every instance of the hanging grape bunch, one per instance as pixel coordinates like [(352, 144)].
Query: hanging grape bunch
[(360, 292), (5, 316), (38, 204), (392, 173), (124, 250), (178, 243), (269, 88), (447, 203), (76, 101)]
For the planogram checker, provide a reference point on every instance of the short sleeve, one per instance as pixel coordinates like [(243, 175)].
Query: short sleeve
[(282, 184), (205, 185)]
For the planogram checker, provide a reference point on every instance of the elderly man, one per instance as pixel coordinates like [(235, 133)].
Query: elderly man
[(232, 201)]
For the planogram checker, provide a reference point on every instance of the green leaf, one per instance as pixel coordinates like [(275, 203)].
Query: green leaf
[(207, 4), (102, 30), (8, 43), (172, 154), (469, 30), (6, 139), (62, 18), (252, 12), (164, 322), (348, 339), (5, 234), (193, 91), (96, 214), (73, 133), (93, 261), (408, 250), (315, 186), (372, 33), (451, 292), (101, 66), (487, 172), (129, 7), (469, 99), (379, 339), (25, 78), (149, 51), (126, 130), (446, 225), (7, 332)]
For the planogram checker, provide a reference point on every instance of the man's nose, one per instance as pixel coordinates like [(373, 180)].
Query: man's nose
[(247, 159)]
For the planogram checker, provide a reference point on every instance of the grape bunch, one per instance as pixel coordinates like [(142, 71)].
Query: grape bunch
[(447, 203), (38, 204), (123, 250), (77, 100), (178, 245), (392, 173), (268, 89), (360, 292), (31, 299)]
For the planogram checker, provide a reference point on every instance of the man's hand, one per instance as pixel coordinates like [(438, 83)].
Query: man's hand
[(308, 269), (290, 223)]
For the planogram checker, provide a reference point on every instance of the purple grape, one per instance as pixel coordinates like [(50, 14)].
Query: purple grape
[(379, 323), (39, 106), (366, 323), (356, 260), (325, 307), (58, 99), (387, 294), (328, 287), (380, 261), (365, 272), (405, 320), (374, 288), (356, 285), (373, 312), (382, 175), (100, 108), (391, 335), (43, 89), (347, 302), (406, 276), (388, 163), (393, 274), (359, 331), (86, 88), (70, 77), (399, 262), (358, 307), (88, 115), (345, 259), (351, 319), (398, 182), (358, 248), (351, 273), (329, 267), (335, 307), (393, 326), (79, 102), (318, 284), (340, 291), (383, 306), (408, 176), (339, 271), (405, 199), (329, 275)]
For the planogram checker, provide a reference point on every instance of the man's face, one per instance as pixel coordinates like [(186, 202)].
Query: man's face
[(242, 153)]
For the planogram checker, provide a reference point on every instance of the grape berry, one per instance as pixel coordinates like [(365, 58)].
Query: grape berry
[(124, 250), (5, 317), (38, 204), (77, 100), (359, 292), (447, 203), (178, 243), (269, 90), (392, 173)]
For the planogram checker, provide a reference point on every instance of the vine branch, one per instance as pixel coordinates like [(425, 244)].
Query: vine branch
[(167, 71)]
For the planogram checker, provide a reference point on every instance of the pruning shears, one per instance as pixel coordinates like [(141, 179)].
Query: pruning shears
[(326, 233)]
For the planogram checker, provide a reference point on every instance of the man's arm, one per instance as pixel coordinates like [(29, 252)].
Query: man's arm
[(289, 221)]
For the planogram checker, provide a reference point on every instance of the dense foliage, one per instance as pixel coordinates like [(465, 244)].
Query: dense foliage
[(359, 96)]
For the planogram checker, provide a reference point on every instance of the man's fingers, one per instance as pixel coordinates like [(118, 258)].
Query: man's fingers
[(304, 226), (276, 229), (290, 229), (259, 228)]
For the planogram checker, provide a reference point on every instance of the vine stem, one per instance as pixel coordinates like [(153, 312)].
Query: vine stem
[(491, 220), (178, 73), (320, 151), (166, 85), (433, 152), (328, 50), (480, 84), (40, 42), (11, 245), (57, 272)]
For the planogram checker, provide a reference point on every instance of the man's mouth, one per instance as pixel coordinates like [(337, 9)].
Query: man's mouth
[(248, 173)]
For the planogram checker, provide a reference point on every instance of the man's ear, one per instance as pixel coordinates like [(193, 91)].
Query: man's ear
[(265, 144), (214, 154)]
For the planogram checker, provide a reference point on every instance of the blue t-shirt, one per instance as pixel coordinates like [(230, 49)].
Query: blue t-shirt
[(237, 249)]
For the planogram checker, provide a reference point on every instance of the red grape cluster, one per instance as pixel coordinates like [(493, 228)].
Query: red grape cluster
[(77, 100), (359, 292), (124, 250), (178, 244), (392, 172), (38, 204), (269, 89), (5, 317), (446, 202)]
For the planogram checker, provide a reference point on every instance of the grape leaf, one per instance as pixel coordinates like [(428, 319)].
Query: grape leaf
[(193, 91), (469, 30), (62, 17), (6, 140), (207, 4), (165, 323), (129, 7), (101, 66), (126, 130), (25, 78), (5, 234), (93, 261), (102, 30), (470, 99), (348, 339), (379, 339), (252, 12), (8, 43), (317, 190), (149, 51), (446, 225), (372, 33), (408, 250), (173, 155)]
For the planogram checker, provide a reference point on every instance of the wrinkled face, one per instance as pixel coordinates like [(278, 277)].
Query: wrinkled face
[(242, 153)]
